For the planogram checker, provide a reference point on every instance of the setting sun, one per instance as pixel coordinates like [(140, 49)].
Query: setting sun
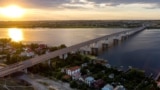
[(12, 11), (15, 34)]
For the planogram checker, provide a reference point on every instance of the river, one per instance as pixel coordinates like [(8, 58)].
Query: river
[(54, 37), (140, 51)]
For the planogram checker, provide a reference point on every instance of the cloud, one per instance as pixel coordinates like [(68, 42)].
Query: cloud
[(35, 3), (80, 3), (149, 4), (124, 2)]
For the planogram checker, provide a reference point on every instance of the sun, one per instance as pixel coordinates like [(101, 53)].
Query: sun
[(15, 34), (12, 11)]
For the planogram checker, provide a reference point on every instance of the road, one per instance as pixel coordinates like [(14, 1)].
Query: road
[(37, 80), (36, 85)]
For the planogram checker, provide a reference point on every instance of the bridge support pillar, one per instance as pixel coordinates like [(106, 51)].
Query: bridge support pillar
[(25, 70), (86, 52), (94, 48), (123, 38), (64, 56), (73, 52), (105, 46), (49, 62), (115, 41), (61, 56), (94, 51)]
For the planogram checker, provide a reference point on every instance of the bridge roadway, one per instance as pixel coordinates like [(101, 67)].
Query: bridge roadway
[(39, 59)]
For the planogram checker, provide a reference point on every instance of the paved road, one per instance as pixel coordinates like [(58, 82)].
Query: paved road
[(58, 85), (36, 85), (36, 80)]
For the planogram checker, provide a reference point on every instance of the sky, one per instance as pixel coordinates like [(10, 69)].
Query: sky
[(85, 9)]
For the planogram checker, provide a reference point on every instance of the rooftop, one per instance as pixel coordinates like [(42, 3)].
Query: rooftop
[(107, 87), (89, 78), (73, 68)]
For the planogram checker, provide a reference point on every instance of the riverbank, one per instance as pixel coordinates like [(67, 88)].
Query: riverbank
[(100, 71), (72, 24)]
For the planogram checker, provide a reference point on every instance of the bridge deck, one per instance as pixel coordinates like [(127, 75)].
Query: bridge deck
[(38, 59)]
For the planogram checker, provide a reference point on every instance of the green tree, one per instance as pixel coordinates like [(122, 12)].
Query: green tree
[(83, 71), (73, 84)]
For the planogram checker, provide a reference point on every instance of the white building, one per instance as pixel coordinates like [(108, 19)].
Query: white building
[(108, 65), (107, 87), (89, 80), (73, 70), (28, 54), (111, 76), (120, 87)]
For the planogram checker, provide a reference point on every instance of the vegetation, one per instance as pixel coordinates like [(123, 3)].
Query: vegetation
[(132, 79), (73, 84), (53, 69), (11, 51), (71, 24), (12, 84)]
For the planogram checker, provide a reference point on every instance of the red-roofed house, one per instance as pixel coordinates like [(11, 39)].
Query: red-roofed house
[(73, 70), (66, 77), (42, 46), (98, 83)]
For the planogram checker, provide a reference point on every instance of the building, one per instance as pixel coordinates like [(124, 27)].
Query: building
[(42, 46), (84, 65), (73, 70), (82, 78), (76, 76), (120, 87), (98, 83), (66, 77), (108, 65), (28, 54), (107, 87), (89, 80), (111, 76)]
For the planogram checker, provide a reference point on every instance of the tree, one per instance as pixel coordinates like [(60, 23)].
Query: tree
[(83, 71), (59, 75), (33, 46), (73, 84), (83, 86), (62, 46)]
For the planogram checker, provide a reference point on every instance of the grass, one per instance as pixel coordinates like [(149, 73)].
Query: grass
[(44, 83), (14, 85)]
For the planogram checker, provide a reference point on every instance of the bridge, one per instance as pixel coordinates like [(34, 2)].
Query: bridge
[(88, 46)]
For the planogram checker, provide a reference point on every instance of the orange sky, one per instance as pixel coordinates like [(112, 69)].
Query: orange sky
[(82, 10)]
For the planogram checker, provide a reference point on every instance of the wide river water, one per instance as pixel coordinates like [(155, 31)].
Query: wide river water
[(140, 51), (54, 37)]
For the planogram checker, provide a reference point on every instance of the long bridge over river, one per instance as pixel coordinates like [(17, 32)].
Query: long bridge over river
[(88, 46)]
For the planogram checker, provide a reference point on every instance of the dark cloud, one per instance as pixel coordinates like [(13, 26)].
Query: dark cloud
[(44, 3), (126, 1), (155, 3), (60, 3)]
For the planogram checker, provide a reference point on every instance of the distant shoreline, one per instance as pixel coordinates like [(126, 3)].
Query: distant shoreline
[(72, 24)]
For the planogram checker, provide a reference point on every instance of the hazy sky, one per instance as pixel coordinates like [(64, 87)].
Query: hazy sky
[(85, 9)]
